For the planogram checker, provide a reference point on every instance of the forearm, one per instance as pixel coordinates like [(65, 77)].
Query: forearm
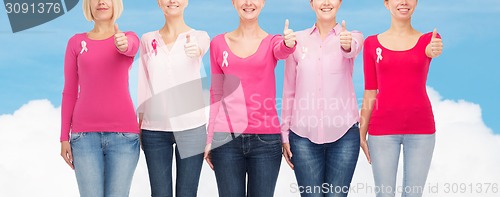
[(369, 101), (141, 116)]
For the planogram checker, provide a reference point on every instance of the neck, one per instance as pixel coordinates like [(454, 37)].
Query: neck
[(103, 26), (174, 24), (401, 27), (249, 28), (325, 26)]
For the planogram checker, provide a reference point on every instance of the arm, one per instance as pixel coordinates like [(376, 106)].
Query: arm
[(69, 96), (216, 91), (144, 89), (356, 45), (204, 42), (288, 96), (196, 47), (288, 101), (369, 98), (280, 50), (133, 44), (70, 91)]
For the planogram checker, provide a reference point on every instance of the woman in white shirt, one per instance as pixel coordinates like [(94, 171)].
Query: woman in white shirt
[(171, 107)]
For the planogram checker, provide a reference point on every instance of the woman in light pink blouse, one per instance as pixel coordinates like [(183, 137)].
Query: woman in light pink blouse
[(171, 107), (320, 114)]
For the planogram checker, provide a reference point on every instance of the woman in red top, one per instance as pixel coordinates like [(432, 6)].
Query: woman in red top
[(396, 109)]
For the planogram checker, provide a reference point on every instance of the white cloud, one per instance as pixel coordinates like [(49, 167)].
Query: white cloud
[(466, 153)]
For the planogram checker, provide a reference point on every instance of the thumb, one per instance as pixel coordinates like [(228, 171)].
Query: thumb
[(188, 38), (116, 29), (434, 33), (286, 24), (343, 25)]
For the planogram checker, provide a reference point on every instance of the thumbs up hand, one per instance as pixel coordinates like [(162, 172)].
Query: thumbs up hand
[(121, 41), (289, 36), (345, 38), (191, 48), (435, 47)]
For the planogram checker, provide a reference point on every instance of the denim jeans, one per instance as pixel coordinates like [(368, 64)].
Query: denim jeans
[(417, 156), (255, 155), (158, 149), (325, 169), (104, 162)]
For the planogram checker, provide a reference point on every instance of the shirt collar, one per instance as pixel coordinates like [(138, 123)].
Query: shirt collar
[(336, 30)]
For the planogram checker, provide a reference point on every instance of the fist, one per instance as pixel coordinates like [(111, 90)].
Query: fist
[(289, 36), (435, 47), (345, 38), (121, 41), (191, 48)]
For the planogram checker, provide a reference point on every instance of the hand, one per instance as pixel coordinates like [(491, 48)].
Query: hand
[(435, 47), (140, 140), (191, 48), (287, 154), (206, 156), (121, 41), (66, 153), (289, 36), (345, 38), (364, 146)]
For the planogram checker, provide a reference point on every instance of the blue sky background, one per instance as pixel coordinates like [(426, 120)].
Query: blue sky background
[(32, 61)]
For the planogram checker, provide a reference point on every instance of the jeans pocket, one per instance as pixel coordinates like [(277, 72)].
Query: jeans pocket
[(76, 136), (129, 136), (269, 138)]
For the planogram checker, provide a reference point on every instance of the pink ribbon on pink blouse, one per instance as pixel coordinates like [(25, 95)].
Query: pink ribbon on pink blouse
[(154, 43)]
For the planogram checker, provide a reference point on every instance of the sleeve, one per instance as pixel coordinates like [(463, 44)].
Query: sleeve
[(369, 68), (216, 89), (288, 99), (280, 50), (133, 44), (144, 89), (204, 42), (356, 45), (70, 91)]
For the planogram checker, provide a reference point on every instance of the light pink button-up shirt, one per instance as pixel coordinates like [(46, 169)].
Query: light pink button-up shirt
[(319, 102)]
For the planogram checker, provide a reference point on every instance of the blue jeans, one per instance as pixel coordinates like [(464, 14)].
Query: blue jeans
[(255, 155), (158, 149), (104, 162), (325, 169), (417, 156)]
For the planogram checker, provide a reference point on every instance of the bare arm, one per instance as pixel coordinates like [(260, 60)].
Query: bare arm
[(369, 102)]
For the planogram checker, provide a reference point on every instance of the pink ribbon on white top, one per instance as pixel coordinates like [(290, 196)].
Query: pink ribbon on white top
[(154, 44)]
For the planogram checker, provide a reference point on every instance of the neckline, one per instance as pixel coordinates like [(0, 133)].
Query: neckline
[(251, 55), (406, 50), (160, 39), (86, 34)]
